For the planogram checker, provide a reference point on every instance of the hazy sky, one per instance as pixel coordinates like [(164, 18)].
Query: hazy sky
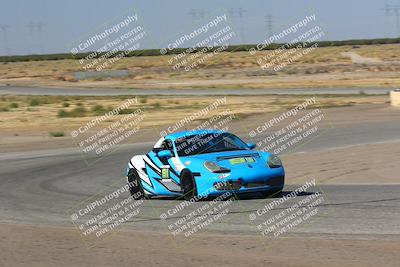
[(54, 26)]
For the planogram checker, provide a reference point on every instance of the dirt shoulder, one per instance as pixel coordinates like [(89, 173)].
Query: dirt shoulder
[(46, 122), (44, 246), (359, 164), (354, 164), (345, 66)]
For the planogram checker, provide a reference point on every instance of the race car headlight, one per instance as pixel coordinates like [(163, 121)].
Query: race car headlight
[(274, 161), (214, 167)]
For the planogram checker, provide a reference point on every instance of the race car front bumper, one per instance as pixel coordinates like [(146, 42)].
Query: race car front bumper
[(270, 180), (239, 184)]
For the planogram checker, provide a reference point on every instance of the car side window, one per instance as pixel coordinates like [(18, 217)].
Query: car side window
[(167, 145)]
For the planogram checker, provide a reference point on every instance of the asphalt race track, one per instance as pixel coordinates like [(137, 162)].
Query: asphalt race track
[(15, 90), (41, 187)]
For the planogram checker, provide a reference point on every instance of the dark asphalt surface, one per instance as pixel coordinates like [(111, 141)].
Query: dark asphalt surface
[(47, 187), (9, 90)]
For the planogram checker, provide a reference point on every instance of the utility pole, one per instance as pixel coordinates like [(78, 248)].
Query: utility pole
[(392, 10)]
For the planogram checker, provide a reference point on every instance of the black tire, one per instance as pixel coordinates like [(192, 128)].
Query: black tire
[(135, 185), (188, 185)]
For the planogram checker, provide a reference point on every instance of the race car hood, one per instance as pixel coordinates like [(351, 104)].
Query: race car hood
[(231, 159)]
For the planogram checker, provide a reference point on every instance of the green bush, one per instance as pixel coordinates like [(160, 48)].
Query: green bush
[(62, 113), (14, 105), (156, 52), (98, 109), (56, 134), (65, 104), (78, 112), (126, 111), (34, 102), (75, 113)]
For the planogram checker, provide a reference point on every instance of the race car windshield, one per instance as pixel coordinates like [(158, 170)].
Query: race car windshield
[(208, 143)]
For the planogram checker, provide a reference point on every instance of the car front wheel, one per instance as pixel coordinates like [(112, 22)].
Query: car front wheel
[(135, 185), (188, 185)]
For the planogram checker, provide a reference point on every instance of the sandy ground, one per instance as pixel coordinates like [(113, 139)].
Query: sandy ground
[(32, 245), (17, 133), (23, 245), (348, 165), (343, 66)]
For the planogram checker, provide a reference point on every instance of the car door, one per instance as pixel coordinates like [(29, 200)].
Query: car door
[(170, 172)]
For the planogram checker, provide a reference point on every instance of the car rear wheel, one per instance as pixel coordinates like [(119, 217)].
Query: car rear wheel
[(188, 185), (135, 185)]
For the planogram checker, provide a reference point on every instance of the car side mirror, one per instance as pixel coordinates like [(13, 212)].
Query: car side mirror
[(164, 154), (251, 145)]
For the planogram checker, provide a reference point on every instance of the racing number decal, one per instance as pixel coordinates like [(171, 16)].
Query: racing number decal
[(235, 161), (249, 159), (165, 172)]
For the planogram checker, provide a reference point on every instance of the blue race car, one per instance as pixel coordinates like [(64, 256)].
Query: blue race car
[(202, 163)]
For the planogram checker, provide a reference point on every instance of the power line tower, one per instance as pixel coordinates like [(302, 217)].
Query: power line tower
[(269, 23), (240, 13), (232, 12), (31, 29), (36, 34), (4, 28), (198, 15), (393, 10), (39, 27), (202, 14), (193, 14)]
